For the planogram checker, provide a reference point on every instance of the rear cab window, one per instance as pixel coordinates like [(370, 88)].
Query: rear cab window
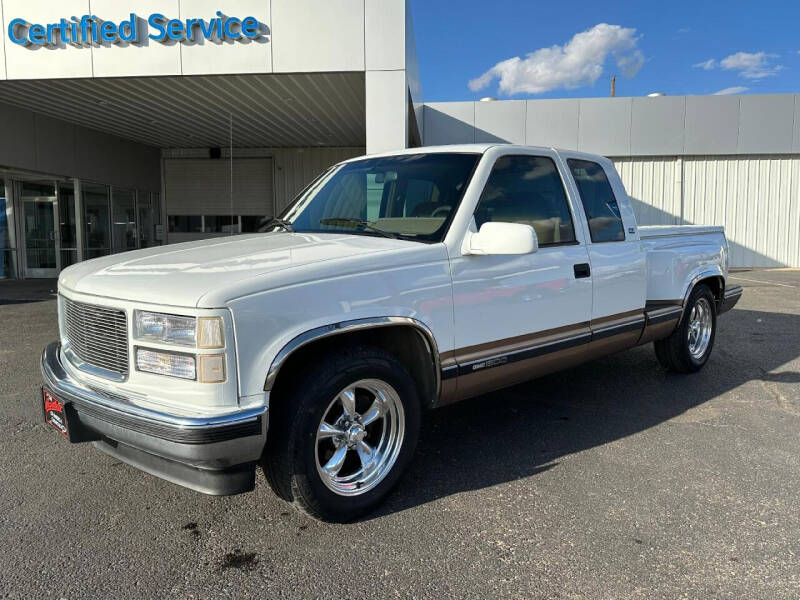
[(599, 202)]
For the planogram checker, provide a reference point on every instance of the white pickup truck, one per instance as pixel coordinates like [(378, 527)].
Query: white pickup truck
[(392, 284)]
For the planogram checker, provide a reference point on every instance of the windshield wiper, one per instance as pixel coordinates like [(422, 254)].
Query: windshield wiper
[(363, 223), (279, 223)]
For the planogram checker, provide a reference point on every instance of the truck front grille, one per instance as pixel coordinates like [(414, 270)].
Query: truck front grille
[(97, 335)]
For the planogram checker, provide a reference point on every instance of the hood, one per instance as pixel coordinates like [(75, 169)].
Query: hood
[(181, 274)]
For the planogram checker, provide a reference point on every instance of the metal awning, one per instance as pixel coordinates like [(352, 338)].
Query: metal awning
[(275, 110)]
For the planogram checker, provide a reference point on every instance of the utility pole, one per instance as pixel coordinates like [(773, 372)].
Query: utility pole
[(613, 86)]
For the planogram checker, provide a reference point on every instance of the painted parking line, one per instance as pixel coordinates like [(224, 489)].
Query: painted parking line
[(759, 281)]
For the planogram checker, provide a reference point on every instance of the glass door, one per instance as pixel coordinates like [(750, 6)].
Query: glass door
[(40, 215), (124, 234), (146, 228)]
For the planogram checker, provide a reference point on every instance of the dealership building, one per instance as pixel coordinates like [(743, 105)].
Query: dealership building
[(131, 124)]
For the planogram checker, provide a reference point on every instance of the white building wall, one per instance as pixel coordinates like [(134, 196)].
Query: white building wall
[(711, 160), (661, 126), (294, 168), (298, 36), (35, 142), (756, 198), (654, 185)]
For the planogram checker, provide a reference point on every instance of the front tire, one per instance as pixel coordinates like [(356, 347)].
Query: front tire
[(344, 434), (687, 349)]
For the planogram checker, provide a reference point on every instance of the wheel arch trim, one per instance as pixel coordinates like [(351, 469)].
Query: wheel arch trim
[(344, 327), (707, 273)]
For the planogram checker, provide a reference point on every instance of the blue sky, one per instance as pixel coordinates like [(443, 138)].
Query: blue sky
[(664, 47)]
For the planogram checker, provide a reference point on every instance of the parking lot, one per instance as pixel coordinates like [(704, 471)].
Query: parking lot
[(611, 480)]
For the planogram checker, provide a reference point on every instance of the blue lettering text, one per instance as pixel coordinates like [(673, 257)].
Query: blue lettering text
[(250, 28), (12, 31), (90, 29), (37, 34), (156, 22)]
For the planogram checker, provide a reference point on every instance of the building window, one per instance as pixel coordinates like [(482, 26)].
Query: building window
[(6, 250), (124, 220), (229, 224), (221, 224), (96, 221), (67, 225), (252, 224), (144, 207), (185, 224), (39, 228)]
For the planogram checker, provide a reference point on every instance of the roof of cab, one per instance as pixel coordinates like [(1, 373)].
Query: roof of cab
[(462, 148)]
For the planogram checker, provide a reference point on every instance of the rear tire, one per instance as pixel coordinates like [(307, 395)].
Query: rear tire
[(343, 434), (687, 349)]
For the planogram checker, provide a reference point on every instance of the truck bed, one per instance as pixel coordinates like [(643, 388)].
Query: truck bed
[(655, 231), (678, 254)]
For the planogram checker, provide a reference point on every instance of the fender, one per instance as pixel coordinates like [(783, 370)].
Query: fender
[(356, 325), (705, 272)]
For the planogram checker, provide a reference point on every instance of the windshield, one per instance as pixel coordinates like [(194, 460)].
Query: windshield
[(411, 196)]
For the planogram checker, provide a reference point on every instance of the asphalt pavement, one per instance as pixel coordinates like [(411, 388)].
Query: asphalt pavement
[(610, 480)]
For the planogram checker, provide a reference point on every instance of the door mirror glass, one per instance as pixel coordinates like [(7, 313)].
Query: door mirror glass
[(502, 238)]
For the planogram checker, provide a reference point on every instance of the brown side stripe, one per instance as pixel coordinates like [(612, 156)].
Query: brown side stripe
[(615, 325), (512, 357)]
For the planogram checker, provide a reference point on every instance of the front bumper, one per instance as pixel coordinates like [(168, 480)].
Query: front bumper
[(213, 455)]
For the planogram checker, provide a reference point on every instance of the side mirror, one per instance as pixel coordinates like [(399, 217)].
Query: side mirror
[(502, 238)]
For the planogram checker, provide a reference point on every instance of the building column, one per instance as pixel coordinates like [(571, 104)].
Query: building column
[(387, 111), (386, 48)]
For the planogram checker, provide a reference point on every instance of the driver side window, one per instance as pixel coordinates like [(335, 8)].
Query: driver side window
[(528, 190)]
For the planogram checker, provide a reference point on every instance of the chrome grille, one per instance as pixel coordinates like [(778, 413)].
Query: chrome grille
[(97, 335)]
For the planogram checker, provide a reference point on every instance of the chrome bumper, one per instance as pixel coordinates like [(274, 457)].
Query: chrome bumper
[(733, 294), (214, 455)]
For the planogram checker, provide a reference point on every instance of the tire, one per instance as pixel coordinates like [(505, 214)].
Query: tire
[(301, 459), (687, 349)]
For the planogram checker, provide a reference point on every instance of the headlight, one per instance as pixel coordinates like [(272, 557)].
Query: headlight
[(165, 329), (194, 332), (166, 363), (205, 332)]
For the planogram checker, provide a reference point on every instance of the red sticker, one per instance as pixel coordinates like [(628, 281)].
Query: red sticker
[(54, 413)]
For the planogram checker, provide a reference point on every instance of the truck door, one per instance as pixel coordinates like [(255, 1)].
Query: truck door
[(519, 316), (617, 261)]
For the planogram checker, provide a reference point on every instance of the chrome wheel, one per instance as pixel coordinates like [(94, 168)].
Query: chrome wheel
[(359, 437), (701, 323)]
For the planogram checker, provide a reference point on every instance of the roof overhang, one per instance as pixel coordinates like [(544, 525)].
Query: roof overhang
[(265, 110)]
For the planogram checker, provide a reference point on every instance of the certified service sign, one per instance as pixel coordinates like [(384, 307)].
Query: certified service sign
[(91, 30)]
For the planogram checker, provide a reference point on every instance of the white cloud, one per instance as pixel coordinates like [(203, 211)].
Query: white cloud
[(577, 63), (737, 89), (706, 65), (750, 65), (684, 30), (754, 65)]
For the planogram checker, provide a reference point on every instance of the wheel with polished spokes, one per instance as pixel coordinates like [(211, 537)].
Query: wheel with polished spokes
[(688, 348), (700, 327), (341, 438), (360, 437)]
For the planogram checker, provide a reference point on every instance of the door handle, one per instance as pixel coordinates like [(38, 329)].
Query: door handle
[(582, 270)]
